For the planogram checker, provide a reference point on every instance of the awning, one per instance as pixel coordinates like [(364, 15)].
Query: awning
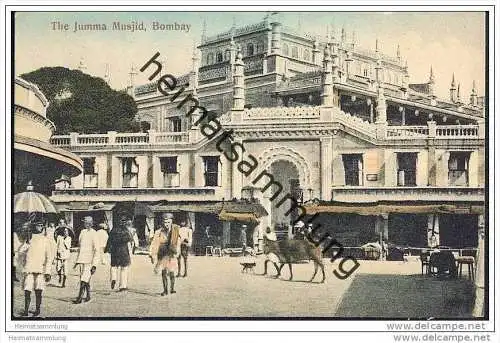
[(83, 206), (235, 216), (227, 210), (214, 207), (373, 209), (243, 211)]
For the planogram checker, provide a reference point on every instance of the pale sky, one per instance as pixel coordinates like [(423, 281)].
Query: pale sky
[(449, 41)]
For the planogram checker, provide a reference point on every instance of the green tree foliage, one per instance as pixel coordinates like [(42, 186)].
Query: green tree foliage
[(83, 103)]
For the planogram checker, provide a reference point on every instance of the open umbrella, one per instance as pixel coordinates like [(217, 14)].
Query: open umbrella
[(32, 202)]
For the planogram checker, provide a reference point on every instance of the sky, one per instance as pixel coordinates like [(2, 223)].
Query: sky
[(452, 42)]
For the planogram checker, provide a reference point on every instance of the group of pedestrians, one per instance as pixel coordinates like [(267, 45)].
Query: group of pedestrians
[(45, 247)]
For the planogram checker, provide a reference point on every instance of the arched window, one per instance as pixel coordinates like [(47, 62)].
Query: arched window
[(250, 49), (307, 55), (219, 57), (295, 52), (227, 55), (210, 58), (366, 70), (285, 49)]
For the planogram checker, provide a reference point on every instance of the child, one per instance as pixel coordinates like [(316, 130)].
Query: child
[(62, 256)]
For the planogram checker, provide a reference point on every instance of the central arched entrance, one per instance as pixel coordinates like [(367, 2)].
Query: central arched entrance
[(287, 175)]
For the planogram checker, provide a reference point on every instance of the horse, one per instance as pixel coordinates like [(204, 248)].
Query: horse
[(290, 251)]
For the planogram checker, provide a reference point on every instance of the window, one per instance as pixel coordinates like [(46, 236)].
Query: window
[(176, 124), (458, 168), (307, 55), (130, 171), (227, 55), (353, 169), (285, 49), (168, 167), (295, 52), (366, 70), (211, 172), (407, 169), (210, 58), (250, 49), (89, 173), (219, 57)]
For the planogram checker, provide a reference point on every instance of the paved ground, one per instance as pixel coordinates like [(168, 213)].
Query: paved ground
[(215, 287)]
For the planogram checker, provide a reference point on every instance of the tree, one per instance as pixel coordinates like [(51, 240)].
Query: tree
[(83, 103)]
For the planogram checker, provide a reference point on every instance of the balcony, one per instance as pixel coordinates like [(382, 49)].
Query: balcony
[(119, 139), (433, 131), (130, 180), (90, 180), (405, 193), (171, 180), (458, 178)]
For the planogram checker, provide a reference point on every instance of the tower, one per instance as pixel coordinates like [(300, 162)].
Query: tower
[(453, 89), (327, 91), (473, 94), (239, 83), (431, 82)]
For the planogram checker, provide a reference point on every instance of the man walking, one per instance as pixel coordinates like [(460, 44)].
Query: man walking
[(36, 268), (118, 247), (164, 250), (186, 237), (87, 259), (63, 252)]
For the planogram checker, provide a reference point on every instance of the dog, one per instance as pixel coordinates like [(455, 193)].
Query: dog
[(248, 267)]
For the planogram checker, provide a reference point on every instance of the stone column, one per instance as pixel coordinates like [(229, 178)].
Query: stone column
[(149, 182), (236, 179), (327, 91), (326, 170), (192, 220), (226, 234), (239, 83), (109, 170)]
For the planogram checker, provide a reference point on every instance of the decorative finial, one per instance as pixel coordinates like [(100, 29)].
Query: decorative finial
[(353, 38), (431, 76), (474, 91), (343, 37), (458, 93), (453, 84), (398, 53), (376, 45), (204, 31)]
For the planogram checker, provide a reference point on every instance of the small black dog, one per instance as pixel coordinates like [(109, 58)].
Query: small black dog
[(247, 266)]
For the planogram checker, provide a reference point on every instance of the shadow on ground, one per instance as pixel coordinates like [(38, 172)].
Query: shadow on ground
[(406, 296)]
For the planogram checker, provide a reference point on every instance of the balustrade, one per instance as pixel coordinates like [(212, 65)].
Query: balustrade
[(120, 139)]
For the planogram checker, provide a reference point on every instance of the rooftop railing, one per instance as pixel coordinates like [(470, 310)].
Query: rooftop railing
[(113, 138)]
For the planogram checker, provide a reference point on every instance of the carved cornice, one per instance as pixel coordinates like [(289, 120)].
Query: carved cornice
[(27, 113)]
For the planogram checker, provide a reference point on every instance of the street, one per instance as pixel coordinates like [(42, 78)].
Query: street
[(215, 287)]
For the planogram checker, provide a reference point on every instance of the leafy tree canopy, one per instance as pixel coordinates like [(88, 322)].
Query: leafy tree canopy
[(83, 103)]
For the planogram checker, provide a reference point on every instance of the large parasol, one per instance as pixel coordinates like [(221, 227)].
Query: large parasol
[(32, 202)]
